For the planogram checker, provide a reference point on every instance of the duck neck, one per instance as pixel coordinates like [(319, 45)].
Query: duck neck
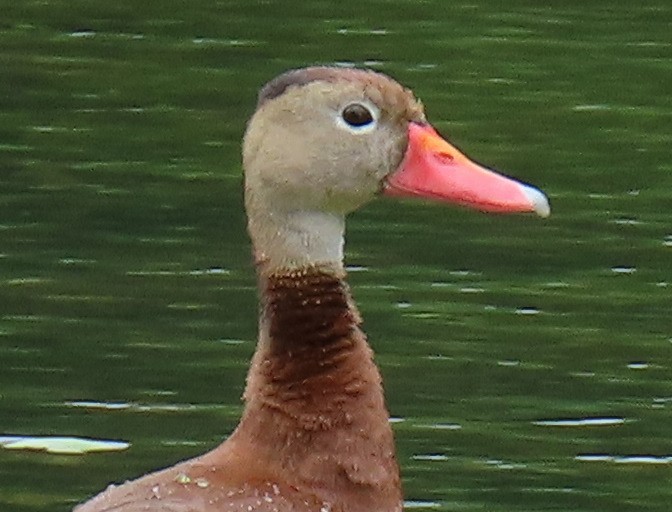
[(296, 239), (311, 353), (314, 397)]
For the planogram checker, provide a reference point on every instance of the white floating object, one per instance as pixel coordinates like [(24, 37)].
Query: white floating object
[(109, 406), (461, 273), (623, 270), (643, 459), (580, 422), (82, 33), (594, 458), (558, 284), (509, 362), (209, 271), (356, 268), (231, 341), (500, 464), (591, 107), (446, 426), (441, 284), (470, 289), (430, 456), (62, 445), (625, 459), (408, 504), (527, 311), (626, 222)]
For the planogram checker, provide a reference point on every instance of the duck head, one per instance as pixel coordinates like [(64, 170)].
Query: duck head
[(324, 141)]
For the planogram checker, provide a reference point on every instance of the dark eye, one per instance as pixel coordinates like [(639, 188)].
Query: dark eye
[(357, 115)]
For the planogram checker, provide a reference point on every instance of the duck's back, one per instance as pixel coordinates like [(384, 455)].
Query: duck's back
[(201, 485)]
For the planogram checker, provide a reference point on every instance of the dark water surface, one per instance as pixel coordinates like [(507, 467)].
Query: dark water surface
[(527, 361)]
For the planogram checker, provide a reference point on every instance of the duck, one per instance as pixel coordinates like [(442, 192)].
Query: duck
[(315, 433)]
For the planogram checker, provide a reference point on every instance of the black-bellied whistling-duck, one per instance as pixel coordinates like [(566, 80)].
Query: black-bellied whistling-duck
[(315, 435)]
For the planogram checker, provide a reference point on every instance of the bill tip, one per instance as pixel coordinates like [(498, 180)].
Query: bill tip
[(539, 201)]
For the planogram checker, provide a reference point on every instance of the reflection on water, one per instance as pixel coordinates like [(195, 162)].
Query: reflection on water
[(526, 362)]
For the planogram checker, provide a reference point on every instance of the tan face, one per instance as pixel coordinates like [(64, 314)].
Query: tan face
[(327, 145), (324, 141)]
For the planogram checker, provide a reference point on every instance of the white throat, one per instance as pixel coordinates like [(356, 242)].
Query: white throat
[(285, 240)]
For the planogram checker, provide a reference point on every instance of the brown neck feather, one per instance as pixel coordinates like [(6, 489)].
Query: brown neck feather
[(314, 397), (311, 322), (312, 356)]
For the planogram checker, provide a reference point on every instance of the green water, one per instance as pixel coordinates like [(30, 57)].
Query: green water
[(125, 271)]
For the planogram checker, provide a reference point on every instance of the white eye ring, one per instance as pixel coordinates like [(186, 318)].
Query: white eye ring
[(364, 117)]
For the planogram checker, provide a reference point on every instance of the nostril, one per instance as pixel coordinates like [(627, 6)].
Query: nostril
[(444, 157)]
